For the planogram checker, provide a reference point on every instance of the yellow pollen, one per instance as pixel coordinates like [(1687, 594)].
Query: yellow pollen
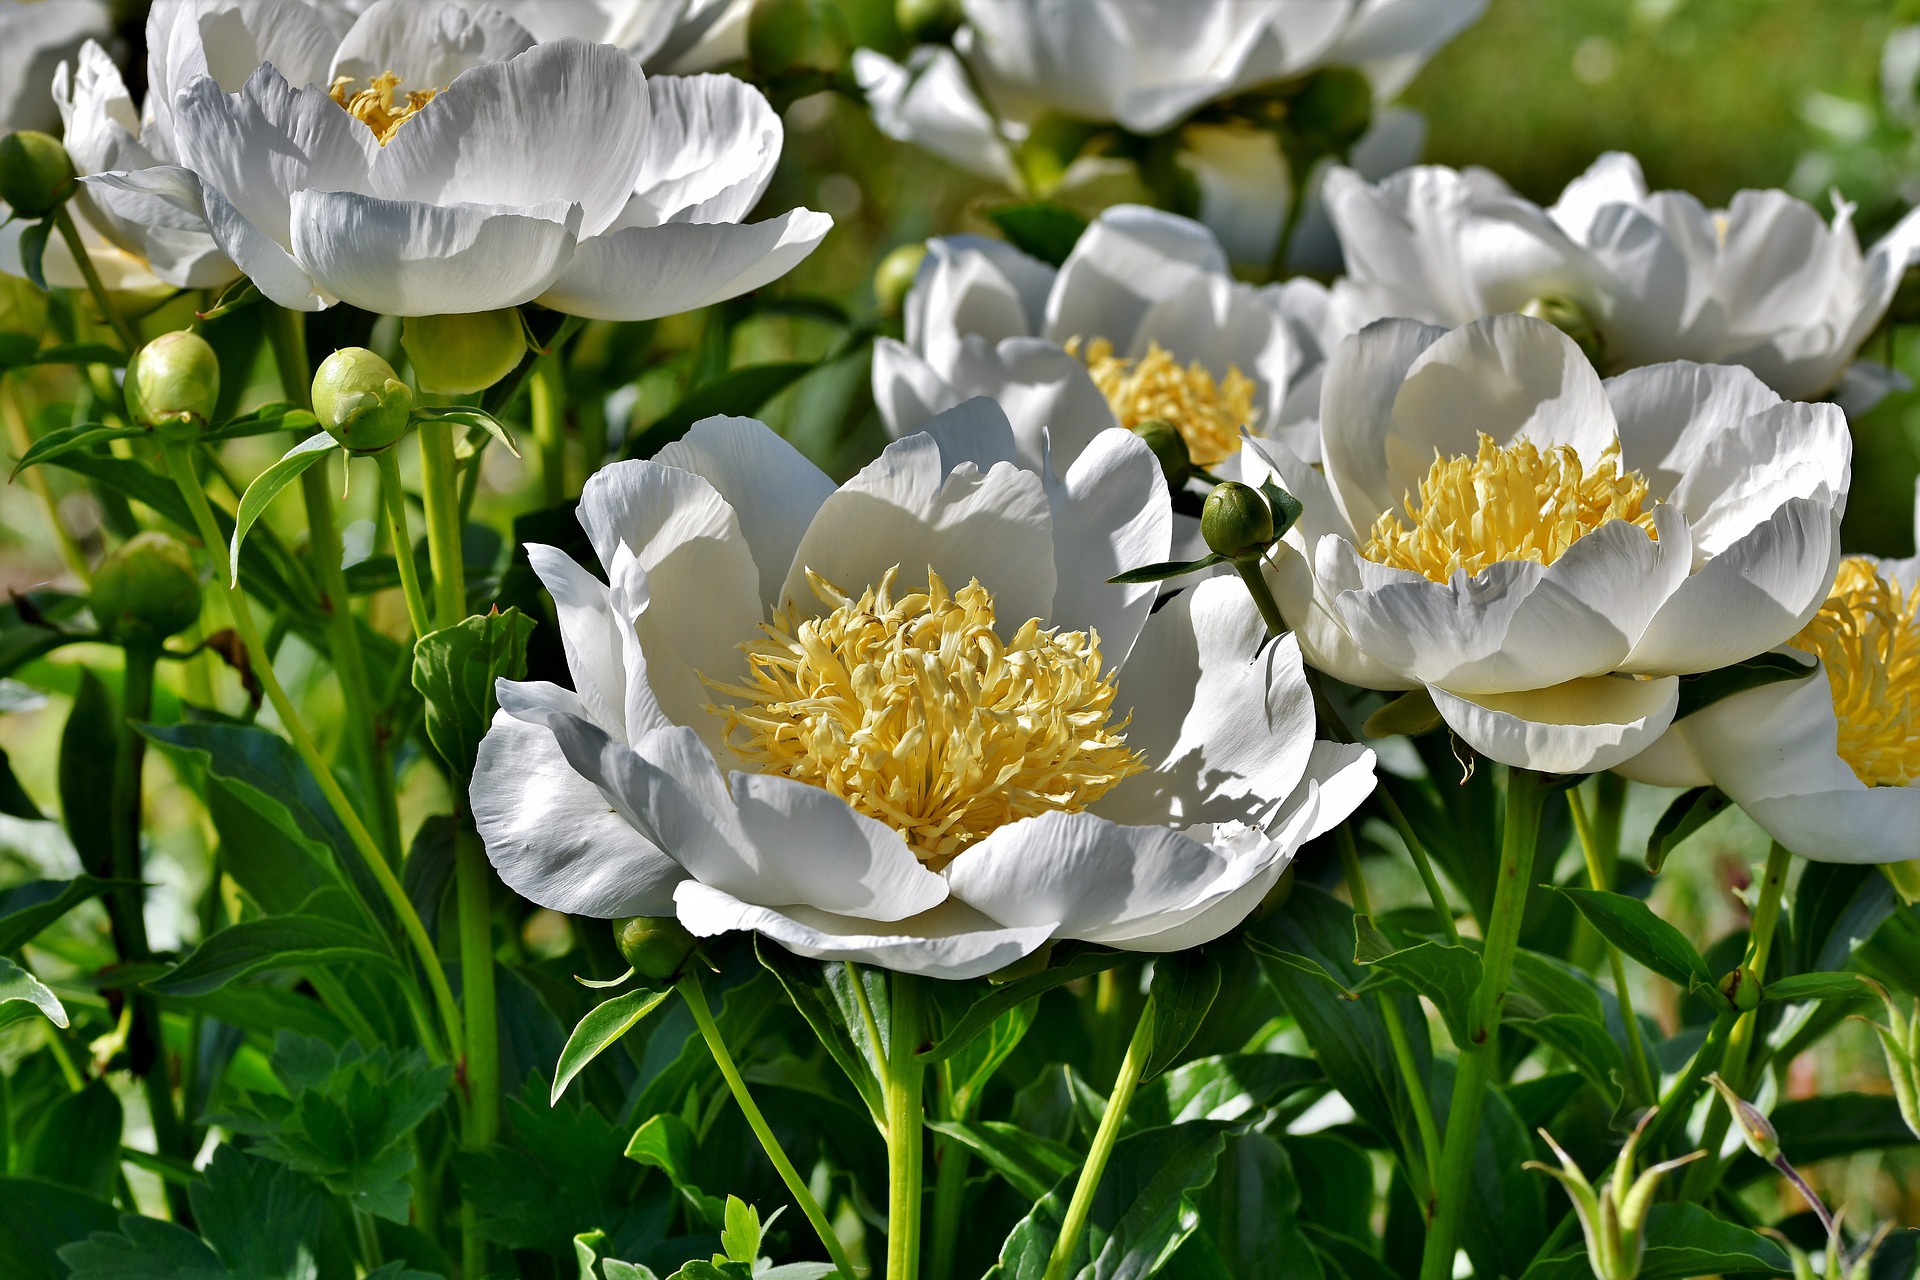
[(911, 708), (1507, 502), (1208, 415), (1867, 637), (374, 106)]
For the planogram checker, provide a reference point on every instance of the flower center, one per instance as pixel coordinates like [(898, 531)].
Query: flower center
[(1507, 502), (911, 708), (374, 105), (1208, 415), (1867, 637)]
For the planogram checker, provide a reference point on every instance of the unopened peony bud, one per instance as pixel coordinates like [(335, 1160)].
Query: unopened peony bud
[(1755, 1128), (36, 173), (1612, 1216), (145, 591), (23, 319), (359, 401), (1236, 522), (461, 354), (656, 946), (1570, 318), (1170, 447), (1741, 987), (173, 384), (895, 275)]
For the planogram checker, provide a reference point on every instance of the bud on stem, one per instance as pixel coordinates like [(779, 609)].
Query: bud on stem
[(360, 402)]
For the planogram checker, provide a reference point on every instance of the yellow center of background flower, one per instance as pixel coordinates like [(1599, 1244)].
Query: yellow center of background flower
[(911, 708), (374, 105), (1507, 502), (1208, 415), (1867, 638)]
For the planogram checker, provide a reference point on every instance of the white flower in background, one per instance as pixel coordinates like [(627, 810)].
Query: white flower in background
[(672, 37), (434, 159), (1148, 67), (1141, 321), (1546, 553), (35, 37), (905, 720), (1765, 283), (1827, 765)]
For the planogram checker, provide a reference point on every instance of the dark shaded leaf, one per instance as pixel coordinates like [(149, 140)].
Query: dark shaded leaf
[(738, 392), (26, 909), (76, 1142), (63, 440), (1817, 986), (1446, 975), (1041, 228), (1631, 925), (1030, 1163), (36, 1218), (1681, 1240), (1069, 961), (1183, 989), (1689, 811), (316, 934), (1165, 569), (1697, 692)]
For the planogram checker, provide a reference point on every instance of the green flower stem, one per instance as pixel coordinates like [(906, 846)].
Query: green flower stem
[(1424, 865), (394, 498), (20, 439), (179, 459), (546, 391), (1427, 1173), (903, 1082), (1677, 1102), (951, 1159), (440, 492), (1479, 1057), (1249, 571), (695, 995), (1074, 1225), (63, 222), (1734, 1067), (1599, 877)]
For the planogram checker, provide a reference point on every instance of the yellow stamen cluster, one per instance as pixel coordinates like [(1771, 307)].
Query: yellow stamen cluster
[(1867, 637), (909, 706), (1507, 502), (1207, 414), (374, 106)]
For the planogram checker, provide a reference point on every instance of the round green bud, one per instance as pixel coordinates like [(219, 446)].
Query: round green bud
[(656, 946), (173, 384), (36, 173), (928, 21), (1741, 987), (359, 401), (459, 355), (895, 275), (804, 42), (23, 319), (1572, 319), (1332, 110), (145, 591), (1170, 447), (1236, 522)]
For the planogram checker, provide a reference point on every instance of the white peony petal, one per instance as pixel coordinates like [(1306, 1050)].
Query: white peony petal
[(274, 271), (563, 122), (552, 836), (710, 151), (1669, 413), (811, 848), (930, 103), (1742, 475), (403, 258), (426, 44), (952, 941), (1128, 259), (1111, 513), (1055, 409), (905, 509), (969, 286), (906, 389), (1581, 726), (227, 40), (773, 490), (591, 633), (642, 273), (161, 214), (1358, 437), (1614, 178)]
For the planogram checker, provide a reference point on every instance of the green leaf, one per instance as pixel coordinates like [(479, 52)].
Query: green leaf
[(1631, 925), (27, 909), (1030, 1163), (76, 1141), (1682, 1240), (268, 484), (17, 984), (15, 802), (1698, 692), (1231, 1086), (241, 293), (968, 1071), (1286, 508), (79, 353), (1069, 962), (1040, 228), (281, 415), (1161, 571), (62, 440), (1251, 1213), (1183, 989), (738, 392), (598, 1031), (469, 416), (556, 1169), (144, 1249), (33, 251), (454, 670), (823, 993), (665, 1143), (1139, 1216), (740, 1237), (88, 745), (1446, 975), (29, 625), (1689, 811), (314, 935), (36, 1219), (1817, 986)]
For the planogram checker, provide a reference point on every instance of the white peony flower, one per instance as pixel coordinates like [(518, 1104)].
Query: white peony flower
[(1148, 67), (433, 159), (1141, 321), (1546, 553), (1827, 765), (1764, 283), (674, 37), (904, 720), (35, 37)]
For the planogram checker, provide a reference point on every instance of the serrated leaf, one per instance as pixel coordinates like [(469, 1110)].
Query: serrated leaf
[(454, 670), (740, 1236), (17, 984), (268, 484), (64, 440), (599, 1030), (27, 909), (1040, 228), (1689, 811), (1631, 925), (1165, 569), (313, 935)]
